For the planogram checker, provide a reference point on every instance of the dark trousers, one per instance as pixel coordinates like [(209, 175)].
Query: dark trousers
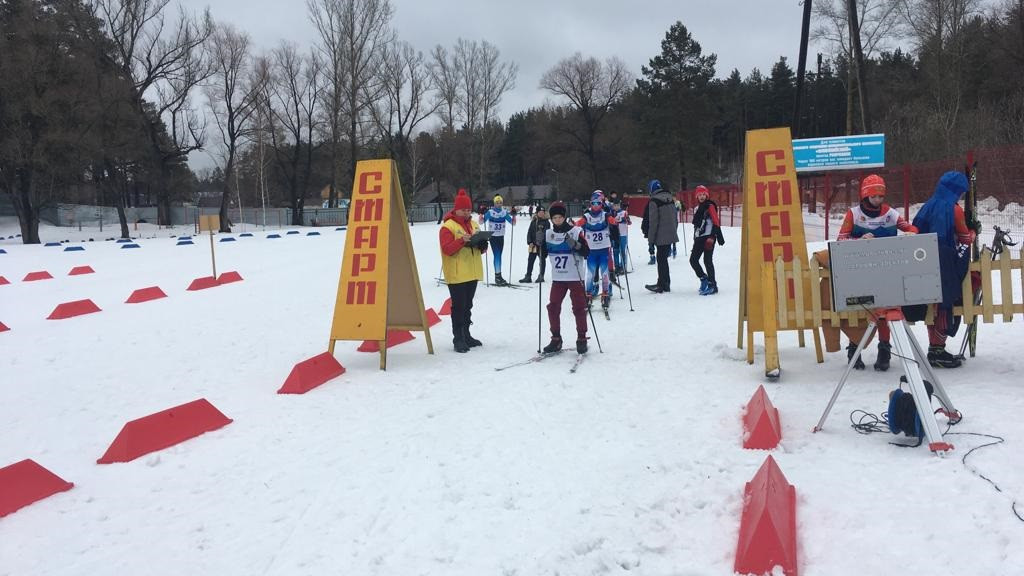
[(700, 247), (578, 298), (533, 256), (462, 305), (664, 280)]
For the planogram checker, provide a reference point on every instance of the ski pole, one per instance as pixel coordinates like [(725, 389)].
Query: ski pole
[(511, 247), (590, 312), (625, 272), (539, 290)]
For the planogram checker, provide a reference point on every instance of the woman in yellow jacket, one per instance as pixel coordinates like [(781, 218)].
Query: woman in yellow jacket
[(462, 267)]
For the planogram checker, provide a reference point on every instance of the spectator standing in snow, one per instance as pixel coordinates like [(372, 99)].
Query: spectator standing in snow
[(662, 232), (462, 268), (540, 223)]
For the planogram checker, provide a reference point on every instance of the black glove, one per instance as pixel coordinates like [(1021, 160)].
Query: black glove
[(975, 225), (719, 236), (572, 242)]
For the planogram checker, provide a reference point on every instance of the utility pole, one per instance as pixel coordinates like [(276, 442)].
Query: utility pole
[(801, 66), (858, 61)]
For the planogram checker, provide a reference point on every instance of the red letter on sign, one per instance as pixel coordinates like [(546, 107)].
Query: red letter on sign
[(769, 251), (778, 167), (365, 235), (364, 184), (769, 227), (368, 261), (773, 188), (368, 210), (361, 293)]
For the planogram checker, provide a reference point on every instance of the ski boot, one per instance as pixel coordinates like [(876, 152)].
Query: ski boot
[(581, 345), (525, 279), (703, 284), (859, 365), (540, 278), (606, 300), (555, 345), (939, 358), (884, 355), (498, 280), (712, 288), (653, 260)]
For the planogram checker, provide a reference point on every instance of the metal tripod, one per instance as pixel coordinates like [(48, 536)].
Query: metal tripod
[(914, 360)]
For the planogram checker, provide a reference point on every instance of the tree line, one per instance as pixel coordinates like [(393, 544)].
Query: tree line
[(103, 101)]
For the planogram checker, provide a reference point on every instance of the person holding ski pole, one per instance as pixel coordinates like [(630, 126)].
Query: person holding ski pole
[(567, 249), (536, 249), (462, 268), (597, 225), (495, 220), (943, 215), (873, 218), (707, 229)]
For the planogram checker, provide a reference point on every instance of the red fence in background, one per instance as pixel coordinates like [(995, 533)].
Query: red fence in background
[(825, 197)]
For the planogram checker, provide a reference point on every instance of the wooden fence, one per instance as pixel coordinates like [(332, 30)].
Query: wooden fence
[(811, 305)]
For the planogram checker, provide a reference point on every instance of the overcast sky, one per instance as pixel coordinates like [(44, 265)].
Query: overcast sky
[(536, 34)]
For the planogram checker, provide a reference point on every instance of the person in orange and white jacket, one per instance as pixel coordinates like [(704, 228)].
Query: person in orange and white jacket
[(873, 218)]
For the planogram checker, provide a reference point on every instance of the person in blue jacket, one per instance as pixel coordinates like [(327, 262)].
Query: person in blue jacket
[(496, 219)]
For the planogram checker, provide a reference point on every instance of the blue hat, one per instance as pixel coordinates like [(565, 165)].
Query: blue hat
[(654, 186), (954, 180), (597, 196)]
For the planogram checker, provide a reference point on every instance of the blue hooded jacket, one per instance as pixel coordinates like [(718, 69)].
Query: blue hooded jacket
[(937, 216)]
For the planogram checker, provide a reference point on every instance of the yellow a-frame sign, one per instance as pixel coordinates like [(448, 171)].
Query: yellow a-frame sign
[(773, 227), (379, 286)]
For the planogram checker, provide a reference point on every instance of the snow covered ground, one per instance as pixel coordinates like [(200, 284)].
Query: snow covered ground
[(442, 465)]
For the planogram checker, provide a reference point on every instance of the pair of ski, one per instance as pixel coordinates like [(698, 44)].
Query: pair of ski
[(541, 357), (511, 285)]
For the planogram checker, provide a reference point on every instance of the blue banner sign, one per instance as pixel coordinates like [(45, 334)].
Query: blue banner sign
[(839, 153)]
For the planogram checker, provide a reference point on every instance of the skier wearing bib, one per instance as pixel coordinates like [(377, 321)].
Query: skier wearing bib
[(567, 250), (495, 220), (597, 226), (873, 218)]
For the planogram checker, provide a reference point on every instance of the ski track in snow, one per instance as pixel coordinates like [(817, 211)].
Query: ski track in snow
[(440, 465)]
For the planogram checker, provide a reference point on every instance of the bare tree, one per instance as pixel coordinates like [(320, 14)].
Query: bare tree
[(406, 82), (496, 78), (294, 93), (482, 80), (232, 96), (164, 61), (354, 34), (447, 79), (591, 87), (879, 26), (444, 73), (937, 28), (467, 62)]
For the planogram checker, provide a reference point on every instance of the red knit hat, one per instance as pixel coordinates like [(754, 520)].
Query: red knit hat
[(872, 185), (462, 201), (701, 190)]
